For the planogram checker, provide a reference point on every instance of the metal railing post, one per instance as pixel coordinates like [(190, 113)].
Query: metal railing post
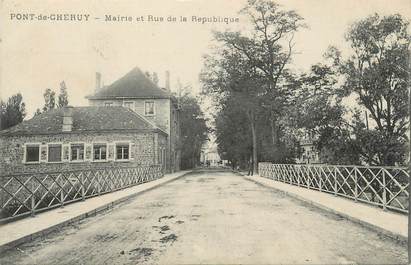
[(320, 183), (33, 205), (82, 188), (308, 178), (98, 184), (356, 184), (384, 192), (62, 198), (335, 181), (298, 177)]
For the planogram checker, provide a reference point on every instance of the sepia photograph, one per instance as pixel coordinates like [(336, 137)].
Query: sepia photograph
[(205, 132)]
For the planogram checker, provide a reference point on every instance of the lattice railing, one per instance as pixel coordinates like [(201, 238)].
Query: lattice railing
[(28, 194), (386, 187)]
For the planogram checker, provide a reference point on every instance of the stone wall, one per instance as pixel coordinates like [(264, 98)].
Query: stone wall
[(143, 150)]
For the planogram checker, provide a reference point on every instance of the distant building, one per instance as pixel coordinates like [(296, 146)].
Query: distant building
[(81, 138), (138, 93), (209, 155), (309, 153)]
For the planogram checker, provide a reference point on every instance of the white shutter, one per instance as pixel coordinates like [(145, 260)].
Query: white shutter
[(65, 156), (43, 153), (110, 152), (132, 151), (88, 152)]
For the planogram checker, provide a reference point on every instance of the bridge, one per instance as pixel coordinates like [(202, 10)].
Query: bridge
[(287, 214)]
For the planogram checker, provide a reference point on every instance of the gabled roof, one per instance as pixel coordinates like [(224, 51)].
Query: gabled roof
[(135, 84), (85, 119)]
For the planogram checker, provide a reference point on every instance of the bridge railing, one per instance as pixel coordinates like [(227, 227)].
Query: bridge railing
[(386, 187), (28, 194)]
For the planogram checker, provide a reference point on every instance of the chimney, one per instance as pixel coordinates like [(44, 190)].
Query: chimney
[(67, 119), (98, 81), (168, 80)]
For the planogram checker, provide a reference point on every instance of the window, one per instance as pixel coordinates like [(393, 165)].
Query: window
[(149, 108), (32, 153), (122, 151), (77, 152), (129, 104), (108, 104), (100, 152)]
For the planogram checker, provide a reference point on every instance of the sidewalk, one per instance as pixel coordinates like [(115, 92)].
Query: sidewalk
[(26, 229), (392, 224)]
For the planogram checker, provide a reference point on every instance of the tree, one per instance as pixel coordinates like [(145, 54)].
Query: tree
[(317, 112), (263, 56), (38, 112), (63, 96), (229, 77), (233, 134), (268, 48), (155, 78), (49, 99), (194, 131), (148, 74), (12, 112), (378, 74)]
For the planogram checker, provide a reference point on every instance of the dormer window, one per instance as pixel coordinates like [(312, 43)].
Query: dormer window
[(129, 104), (149, 108)]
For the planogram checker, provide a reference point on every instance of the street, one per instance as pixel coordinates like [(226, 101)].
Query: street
[(211, 217)]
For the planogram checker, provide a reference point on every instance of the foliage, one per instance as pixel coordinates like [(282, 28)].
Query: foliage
[(233, 134), (251, 70), (12, 112), (49, 99), (63, 96), (152, 76), (378, 74), (194, 131)]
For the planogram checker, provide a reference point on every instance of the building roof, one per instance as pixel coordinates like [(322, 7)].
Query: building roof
[(84, 119), (135, 84)]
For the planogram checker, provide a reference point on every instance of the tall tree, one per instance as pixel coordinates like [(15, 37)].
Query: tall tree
[(194, 130), (229, 77), (49, 99), (12, 112), (232, 132), (378, 74), (269, 49), (63, 96)]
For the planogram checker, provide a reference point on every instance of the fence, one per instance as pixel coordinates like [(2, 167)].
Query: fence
[(386, 187), (27, 194)]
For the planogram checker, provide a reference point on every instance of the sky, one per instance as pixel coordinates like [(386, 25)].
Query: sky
[(35, 55)]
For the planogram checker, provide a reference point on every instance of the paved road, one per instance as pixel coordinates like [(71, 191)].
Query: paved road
[(211, 217)]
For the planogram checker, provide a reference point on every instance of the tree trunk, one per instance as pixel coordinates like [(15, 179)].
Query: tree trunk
[(274, 130), (254, 136)]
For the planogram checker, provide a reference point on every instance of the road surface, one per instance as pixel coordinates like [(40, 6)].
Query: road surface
[(211, 218)]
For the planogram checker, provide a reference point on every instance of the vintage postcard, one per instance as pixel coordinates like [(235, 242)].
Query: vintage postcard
[(204, 131)]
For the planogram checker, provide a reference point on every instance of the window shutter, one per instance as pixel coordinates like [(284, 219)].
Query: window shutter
[(132, 151), (88, 152), (110, 151), (43, 153), (65, 152)]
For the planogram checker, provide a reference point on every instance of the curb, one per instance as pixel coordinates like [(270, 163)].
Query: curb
[(402, 239), (75, 219)]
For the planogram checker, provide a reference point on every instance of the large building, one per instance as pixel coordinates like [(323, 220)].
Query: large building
[(76, 138), (138, 93)]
